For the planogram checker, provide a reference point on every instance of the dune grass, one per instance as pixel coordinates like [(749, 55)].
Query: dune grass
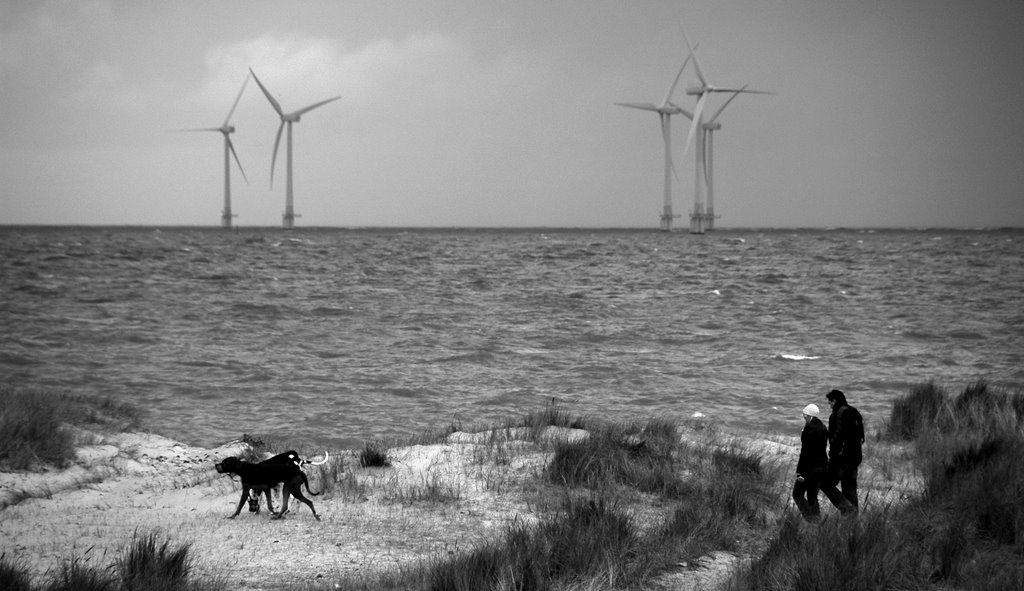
[(629, 502), (147, 563), (34, 425), (599, 532), (965, 530)]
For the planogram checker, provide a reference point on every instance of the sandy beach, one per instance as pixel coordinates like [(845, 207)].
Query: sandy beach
[(434, 500)]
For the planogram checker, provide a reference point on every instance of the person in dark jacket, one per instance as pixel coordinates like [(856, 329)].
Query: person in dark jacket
[(812, 466), (845, 438)]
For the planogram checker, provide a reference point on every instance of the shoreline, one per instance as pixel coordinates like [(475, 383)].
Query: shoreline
[(435, 500)]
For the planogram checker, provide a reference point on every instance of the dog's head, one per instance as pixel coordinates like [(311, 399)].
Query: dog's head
[(228, 465)]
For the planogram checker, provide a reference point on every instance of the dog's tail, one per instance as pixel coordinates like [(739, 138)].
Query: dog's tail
[(312, 463), (305, 480)]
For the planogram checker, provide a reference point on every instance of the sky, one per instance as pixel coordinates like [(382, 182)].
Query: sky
[(501, 113)]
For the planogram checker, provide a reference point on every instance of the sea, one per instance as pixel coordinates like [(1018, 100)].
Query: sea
[(337, 337)]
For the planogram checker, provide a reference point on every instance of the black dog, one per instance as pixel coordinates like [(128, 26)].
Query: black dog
[(265, 476), (288, 457)]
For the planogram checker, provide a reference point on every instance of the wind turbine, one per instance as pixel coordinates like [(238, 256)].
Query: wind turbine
[(704, 167), (665, 111), (229, 150), (699, 219), (289, 118), (708, 150)]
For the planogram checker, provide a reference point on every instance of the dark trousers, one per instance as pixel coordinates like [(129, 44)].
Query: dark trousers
[(805, 494), (843, 474)]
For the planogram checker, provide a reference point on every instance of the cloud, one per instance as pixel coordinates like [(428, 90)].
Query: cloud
[(421, 72)]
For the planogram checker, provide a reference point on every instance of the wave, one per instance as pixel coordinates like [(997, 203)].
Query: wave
[(794, 357)]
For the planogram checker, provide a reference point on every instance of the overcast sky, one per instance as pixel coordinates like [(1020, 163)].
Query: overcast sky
[(501, 113)]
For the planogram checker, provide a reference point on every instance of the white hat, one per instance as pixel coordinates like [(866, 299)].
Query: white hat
[(811, 409)]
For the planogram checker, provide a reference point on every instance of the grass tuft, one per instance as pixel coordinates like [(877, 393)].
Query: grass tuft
[(635, 455), (77, 575), (150, 565), (13, 575), (374, 455)]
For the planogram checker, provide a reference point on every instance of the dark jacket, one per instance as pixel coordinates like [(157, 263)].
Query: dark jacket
[(813, 442), (845, 434)]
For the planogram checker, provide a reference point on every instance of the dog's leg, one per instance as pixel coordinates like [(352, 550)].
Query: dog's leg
[(284, 502), (297, 493), (241, 501), (270, 503)]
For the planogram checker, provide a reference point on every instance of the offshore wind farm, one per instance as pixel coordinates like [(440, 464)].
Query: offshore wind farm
[(702, 216), (485, 115), (701, 131)]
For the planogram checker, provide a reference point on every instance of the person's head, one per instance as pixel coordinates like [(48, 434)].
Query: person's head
[(810, 412), (836, 398)]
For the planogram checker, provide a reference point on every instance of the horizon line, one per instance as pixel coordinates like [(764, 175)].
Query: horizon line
[(522, 228)]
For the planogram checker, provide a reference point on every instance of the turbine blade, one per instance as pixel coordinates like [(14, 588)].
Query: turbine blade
[(672, 89), (273, 159), (237, 98), (199, 129), (313, 106), (704, 154), (231, 146), (696, 63), (743, 90), (644, 106), (273, 101), (724, 105), (694, 124)]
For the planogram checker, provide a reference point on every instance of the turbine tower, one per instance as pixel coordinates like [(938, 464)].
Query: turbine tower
[(229, 150), (700, 220), (708, 139), (665, 111), (289, 118)]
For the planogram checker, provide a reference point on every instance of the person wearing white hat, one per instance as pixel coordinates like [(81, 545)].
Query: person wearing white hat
[(812, 467)]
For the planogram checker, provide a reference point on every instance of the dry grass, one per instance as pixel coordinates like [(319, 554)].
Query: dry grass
[(444, 496)]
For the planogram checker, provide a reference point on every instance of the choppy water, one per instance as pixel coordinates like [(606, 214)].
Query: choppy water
[(339, 336)]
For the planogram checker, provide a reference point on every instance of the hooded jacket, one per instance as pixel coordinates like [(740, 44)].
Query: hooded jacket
[(813, 442)]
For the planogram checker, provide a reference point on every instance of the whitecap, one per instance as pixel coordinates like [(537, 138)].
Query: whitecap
[(793, 357)]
